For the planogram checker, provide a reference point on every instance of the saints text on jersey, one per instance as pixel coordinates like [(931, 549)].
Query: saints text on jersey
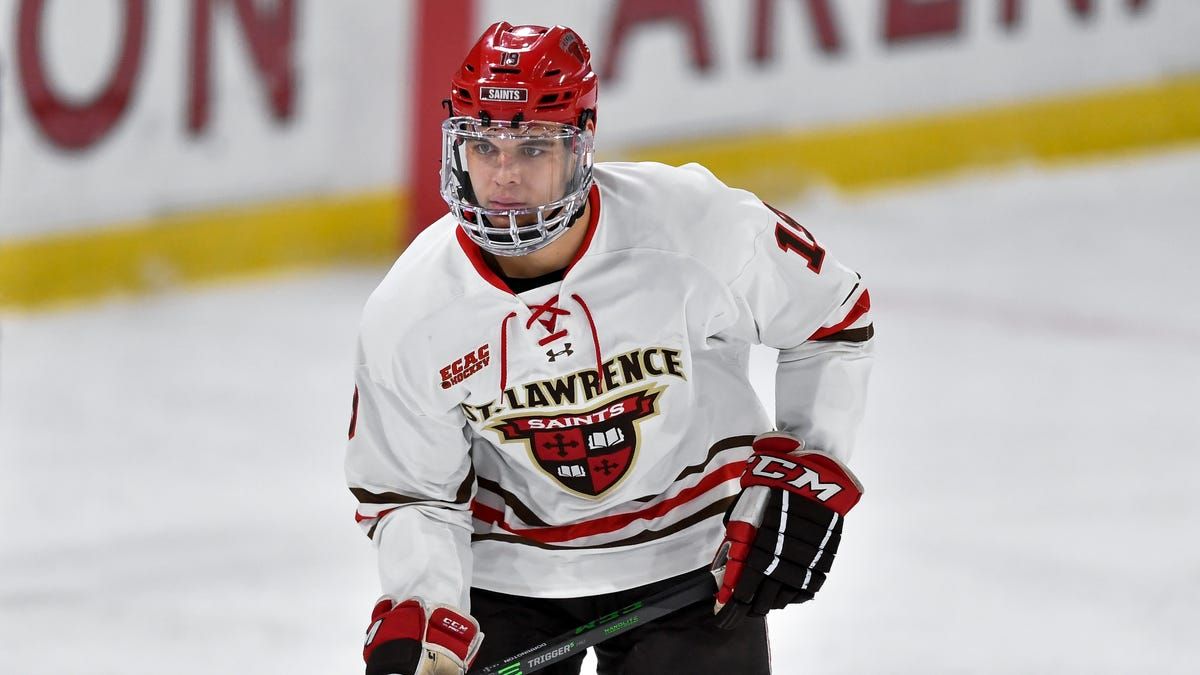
[(590, 448)]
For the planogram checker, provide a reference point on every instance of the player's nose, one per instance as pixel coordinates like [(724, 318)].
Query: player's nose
[(507, 170)]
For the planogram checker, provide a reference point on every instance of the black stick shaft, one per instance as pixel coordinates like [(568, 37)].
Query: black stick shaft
[(575, 642)]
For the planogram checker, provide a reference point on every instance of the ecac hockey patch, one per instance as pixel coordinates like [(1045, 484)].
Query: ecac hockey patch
[(461, 368)]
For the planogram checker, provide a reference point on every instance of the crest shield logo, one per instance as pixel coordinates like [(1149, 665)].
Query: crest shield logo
[(587, 452)]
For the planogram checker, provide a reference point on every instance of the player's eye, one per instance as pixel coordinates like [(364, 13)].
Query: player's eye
[(483, 148), (532, 151)]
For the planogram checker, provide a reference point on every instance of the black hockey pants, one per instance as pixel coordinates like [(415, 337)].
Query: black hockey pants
[(683, 642)]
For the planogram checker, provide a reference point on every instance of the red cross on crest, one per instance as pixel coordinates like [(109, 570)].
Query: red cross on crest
[(586, 451)]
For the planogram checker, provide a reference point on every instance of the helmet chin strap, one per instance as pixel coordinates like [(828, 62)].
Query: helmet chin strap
[(465, 189), (577, 215)]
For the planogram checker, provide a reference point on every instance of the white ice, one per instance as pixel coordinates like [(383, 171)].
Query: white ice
[(171, 494)]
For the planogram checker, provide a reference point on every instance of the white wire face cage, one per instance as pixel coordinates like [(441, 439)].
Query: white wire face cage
[(514, 188)]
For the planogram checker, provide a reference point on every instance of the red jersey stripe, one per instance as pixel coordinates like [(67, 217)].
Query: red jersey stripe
[(589, 528), (860, 307), (358, 517)]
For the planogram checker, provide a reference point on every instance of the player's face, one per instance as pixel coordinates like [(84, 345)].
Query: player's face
[(511, 173)]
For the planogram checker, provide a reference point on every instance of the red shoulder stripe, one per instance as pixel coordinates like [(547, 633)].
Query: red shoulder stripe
[(856, 312)]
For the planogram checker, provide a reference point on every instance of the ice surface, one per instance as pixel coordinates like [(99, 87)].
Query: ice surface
[(171, 494)]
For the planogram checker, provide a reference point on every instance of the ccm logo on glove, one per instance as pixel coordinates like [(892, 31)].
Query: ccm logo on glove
[(805, 479), (455, 626)]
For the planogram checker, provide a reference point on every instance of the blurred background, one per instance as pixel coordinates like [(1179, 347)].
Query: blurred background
[(197, 196)]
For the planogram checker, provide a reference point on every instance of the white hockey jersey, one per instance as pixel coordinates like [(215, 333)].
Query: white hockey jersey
[(587, 436)]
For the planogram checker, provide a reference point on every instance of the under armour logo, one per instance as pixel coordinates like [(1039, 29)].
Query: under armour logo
[(565, 351)]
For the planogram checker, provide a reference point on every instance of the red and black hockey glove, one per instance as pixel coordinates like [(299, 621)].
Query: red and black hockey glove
[(784, 529), (413, 638)]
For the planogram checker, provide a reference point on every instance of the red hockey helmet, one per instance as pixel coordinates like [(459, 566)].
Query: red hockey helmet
[(526, 73), (517, 151)]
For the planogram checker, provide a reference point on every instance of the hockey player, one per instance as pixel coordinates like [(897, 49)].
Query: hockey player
[(553, 416)]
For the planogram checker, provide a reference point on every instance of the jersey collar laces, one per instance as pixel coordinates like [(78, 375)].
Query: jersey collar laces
[(551, 307)]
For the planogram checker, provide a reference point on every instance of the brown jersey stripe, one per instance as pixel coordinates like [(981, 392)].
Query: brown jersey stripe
[(513, 503), (715, 509), (717, 448), (463, 495), (850, 335), (368, 497), (858, 311), (371, 532)]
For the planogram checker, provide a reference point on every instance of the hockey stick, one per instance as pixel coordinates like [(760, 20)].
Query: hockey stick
[(575, 642)]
